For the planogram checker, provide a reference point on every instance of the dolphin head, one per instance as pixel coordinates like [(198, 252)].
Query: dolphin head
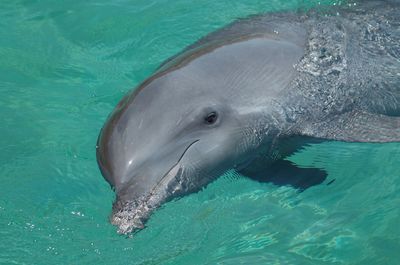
[(162, 142), (190, 122)]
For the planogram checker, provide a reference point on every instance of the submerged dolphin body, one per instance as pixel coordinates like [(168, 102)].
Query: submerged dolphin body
[(248, 95)]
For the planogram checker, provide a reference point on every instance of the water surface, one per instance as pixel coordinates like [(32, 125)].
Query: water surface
[(63, 67)]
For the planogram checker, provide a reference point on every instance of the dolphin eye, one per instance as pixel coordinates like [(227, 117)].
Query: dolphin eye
[(211, 118)]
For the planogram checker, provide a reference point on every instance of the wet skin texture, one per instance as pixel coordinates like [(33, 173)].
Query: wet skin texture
[(248, 95)]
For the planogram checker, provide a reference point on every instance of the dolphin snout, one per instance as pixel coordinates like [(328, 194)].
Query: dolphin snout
[(143, 174), (129, 216), (130, 211)]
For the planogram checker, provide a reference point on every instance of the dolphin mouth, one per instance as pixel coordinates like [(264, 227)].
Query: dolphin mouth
[(130, 215)]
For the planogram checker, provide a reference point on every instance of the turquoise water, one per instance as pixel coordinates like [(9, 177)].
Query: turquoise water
[(64, 66)]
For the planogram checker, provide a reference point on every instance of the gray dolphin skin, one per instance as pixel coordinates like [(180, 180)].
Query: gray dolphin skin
[(248, 95)]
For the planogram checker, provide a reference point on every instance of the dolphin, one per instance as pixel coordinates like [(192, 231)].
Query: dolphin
[(247, 96)]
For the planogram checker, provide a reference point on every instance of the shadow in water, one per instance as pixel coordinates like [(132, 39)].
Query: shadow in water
[(286, 173)]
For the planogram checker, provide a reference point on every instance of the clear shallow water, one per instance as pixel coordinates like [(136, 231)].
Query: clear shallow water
[(64, 66)]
